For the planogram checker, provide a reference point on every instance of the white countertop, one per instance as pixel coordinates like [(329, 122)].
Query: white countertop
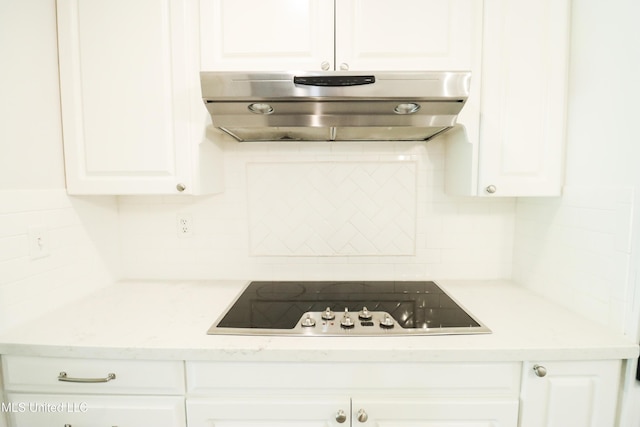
[(169, 320)]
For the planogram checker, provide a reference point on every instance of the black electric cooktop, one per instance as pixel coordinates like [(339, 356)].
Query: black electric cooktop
[(352, 308)]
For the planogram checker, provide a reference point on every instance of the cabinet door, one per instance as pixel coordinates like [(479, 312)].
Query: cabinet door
[(431, 412), (408, 34), (128, 78), (524, 91), (238, 35), (268, 412), (35, 410), (570, 394)]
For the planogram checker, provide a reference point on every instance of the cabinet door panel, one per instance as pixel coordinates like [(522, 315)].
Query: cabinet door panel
[(580, 394), (124, 91), (36, 410), (408, 34), (257, 35), (525, 65), (267, 412), (410, 412)]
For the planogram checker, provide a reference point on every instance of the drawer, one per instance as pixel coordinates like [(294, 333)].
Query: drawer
[(43, 374), (45, 410), (438, 379)]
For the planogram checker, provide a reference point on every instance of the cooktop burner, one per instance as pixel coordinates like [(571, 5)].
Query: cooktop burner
[(338, 308)]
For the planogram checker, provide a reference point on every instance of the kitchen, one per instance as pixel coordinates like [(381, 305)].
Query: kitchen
[(576, 250)]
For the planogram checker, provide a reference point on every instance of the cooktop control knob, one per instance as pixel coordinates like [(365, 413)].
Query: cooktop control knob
[(365, 314), (308, 322), (328, 314), (387, 322), (346, 321)]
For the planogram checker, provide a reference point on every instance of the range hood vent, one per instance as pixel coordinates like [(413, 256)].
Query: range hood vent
[(334, 106)]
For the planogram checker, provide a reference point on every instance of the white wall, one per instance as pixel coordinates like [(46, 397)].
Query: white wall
[(596, 214), (81, 233)]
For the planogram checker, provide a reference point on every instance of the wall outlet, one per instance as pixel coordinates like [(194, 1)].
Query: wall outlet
[(38, 241), (185, 225)]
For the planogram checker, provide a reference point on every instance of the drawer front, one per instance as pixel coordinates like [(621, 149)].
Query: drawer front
[(41, 410), (441, 379), (44, 374)]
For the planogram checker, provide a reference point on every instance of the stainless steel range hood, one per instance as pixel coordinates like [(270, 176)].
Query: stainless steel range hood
[(334, 106)]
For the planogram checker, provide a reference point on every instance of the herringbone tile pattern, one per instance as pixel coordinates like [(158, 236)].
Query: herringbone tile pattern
[(332, 208)]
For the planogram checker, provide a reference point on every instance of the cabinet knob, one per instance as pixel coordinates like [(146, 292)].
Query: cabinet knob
[(491, 189), (325, 65), (362, 416), (181, 187), (341, 416), (540, 370), (344, 66)]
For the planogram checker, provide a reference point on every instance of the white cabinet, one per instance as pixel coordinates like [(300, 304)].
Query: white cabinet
[(433, 412), (320, 411), (36, 410), (240, 35), (351, 394), (345, 34), (45, 391), (132, 114), (523, 104), (570, 394), (268, 411), (408, 34)]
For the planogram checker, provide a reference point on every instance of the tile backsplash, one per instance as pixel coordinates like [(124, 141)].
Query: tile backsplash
[(322, 211), (332, 208), (81, 235), (576, 250)]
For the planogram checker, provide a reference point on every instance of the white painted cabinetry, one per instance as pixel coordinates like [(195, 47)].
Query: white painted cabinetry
[(340, 35), (313, 394), (566, 394), (132, 114), (352, 394), (36, 410), (240, 35), (98, 392), (520, 150)]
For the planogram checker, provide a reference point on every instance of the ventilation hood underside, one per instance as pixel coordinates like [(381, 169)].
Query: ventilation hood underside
[(334, 106)]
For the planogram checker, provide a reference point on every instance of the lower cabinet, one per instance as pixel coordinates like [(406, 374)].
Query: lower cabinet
[(67, 392), (35, 410), (366, 412), (261, 411), (227, 394), (75, 392), (570, 394)]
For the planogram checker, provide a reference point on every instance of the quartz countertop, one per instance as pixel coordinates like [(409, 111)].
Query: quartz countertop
[(169, 321)]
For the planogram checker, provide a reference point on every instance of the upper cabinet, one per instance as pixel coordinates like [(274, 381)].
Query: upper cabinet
[(341, 35), (523, 101), (132, 114), (238, 35), (408, 34)]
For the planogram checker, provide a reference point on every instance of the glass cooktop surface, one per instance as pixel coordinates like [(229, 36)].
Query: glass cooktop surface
[(345, 308)]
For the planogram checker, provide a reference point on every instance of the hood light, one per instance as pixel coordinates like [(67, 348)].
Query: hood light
[(407, 108), (260, 108)]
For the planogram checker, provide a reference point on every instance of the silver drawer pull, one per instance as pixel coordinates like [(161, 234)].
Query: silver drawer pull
[(63, 377)]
